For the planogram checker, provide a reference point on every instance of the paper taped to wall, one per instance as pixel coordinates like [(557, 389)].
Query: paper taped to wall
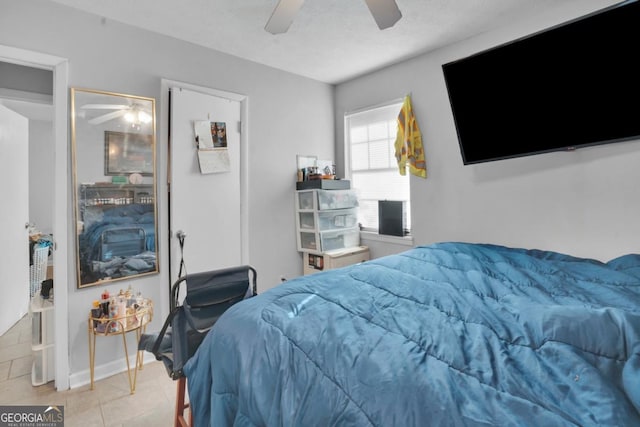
[(202, 129), (213, 160)]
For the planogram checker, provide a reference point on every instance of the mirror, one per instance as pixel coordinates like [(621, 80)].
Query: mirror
[(114, 155)]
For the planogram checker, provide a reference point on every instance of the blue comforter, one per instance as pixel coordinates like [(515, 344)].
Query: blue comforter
[(446, 335)]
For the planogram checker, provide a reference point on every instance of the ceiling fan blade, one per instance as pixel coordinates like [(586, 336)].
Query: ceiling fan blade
[(282, 16), (109, 116), (385, 12)]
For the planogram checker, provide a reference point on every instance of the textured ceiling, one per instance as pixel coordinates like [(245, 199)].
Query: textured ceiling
[(329, 40)]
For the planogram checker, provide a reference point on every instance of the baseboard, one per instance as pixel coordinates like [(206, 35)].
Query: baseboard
[(79, 379)]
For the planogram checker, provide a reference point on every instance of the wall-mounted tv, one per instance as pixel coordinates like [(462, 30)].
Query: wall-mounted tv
[(571, 86)]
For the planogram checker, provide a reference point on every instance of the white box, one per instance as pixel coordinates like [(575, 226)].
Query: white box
[(313, 263)]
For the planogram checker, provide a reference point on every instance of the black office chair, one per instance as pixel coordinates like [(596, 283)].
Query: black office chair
[(208, 295)]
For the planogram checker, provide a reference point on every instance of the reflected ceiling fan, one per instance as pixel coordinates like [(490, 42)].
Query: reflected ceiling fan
[(385, 12), (135, 114)]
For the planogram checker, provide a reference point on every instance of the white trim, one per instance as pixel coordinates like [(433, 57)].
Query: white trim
[(21, 95), (373, 107), (375, 237), (79, 379), (166, 86), (62, 253)]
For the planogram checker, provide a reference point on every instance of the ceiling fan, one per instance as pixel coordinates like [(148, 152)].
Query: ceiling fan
[(134, 114), (385, 12)]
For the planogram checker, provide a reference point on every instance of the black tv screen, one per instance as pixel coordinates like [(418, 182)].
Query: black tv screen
[(574, 85)]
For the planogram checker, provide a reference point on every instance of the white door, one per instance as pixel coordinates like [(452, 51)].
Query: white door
[(206, 207), (14, 216)]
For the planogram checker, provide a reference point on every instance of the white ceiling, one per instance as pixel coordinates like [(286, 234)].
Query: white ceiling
[(329, 40)]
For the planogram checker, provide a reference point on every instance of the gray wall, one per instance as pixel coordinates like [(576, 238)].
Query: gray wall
[(586, 202), (114, 57)]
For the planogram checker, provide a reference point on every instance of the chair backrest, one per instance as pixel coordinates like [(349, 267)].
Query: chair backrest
[(211, 293), (208, 295)]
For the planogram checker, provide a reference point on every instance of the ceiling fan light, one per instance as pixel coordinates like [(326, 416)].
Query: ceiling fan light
[(130, 117), (144, 117)]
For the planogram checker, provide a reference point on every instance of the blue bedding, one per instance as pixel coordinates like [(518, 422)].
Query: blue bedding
[(128, 222), (450, 334)]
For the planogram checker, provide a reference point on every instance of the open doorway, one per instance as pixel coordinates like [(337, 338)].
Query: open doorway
[(26, 93), (60, 194)]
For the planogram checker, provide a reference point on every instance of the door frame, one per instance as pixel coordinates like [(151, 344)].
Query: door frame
[(63, 258), (164, 165)]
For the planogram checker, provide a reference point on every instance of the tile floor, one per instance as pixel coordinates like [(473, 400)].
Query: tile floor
[(109, 404)]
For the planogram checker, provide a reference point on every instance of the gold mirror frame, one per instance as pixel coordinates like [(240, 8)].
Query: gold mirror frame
[(113, 139)]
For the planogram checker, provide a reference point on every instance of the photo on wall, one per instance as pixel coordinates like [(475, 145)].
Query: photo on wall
[(211, 143), (219, 134)]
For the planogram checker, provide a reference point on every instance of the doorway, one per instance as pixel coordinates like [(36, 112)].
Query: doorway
[(58, 67), (27, 92), (217, 233)]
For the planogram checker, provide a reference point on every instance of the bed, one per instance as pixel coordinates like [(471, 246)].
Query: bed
[(119, 242), (451, 334)]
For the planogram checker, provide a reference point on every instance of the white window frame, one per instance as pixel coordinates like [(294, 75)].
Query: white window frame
[(369, 233)]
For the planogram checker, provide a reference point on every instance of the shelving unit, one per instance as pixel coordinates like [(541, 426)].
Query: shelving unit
[(326, 220), (42, 340), (327, 229)]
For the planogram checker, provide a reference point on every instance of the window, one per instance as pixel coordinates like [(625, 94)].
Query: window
[(371, 164)]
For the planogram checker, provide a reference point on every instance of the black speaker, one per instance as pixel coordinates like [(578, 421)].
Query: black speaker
[(391, 217), (46, 287)]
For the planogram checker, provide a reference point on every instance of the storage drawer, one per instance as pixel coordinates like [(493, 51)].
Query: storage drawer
[(342, 218), (337, 199), (306, 199), (322, 241), (42, 370), (326, 199), (328, 220), (41, 312), (308, 241), (332, 240)]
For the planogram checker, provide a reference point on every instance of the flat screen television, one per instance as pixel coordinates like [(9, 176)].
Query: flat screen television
[(571, 86)]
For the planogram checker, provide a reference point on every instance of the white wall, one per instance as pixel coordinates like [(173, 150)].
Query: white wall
[(41, 175), (288, 115), (586, 203)]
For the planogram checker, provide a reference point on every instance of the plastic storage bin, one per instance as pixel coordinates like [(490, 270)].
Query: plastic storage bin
[(322, 241), (326, 199), (42, 340), (42, 370), (328, 220)]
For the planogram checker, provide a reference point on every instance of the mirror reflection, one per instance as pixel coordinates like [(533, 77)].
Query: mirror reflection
[(113, 138)]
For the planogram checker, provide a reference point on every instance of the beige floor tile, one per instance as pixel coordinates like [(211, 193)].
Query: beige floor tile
[(157, 417), (89, 417), (80, 400), (116, 412), (12, 337), (5, 367), (21, 366), (25, 336), (15, 351), (109, 404), (18, 391)]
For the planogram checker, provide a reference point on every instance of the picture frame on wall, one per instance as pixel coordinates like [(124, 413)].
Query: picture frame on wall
[(126, 153)]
